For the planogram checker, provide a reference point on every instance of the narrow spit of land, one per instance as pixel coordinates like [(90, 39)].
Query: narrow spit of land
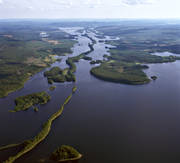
[(67, 75), (28, 145)]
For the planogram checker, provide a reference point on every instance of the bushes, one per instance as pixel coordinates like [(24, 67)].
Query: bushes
[(121, 73), (32, 143), (65, 153), (25, 102), (58, 75), (52, 88)]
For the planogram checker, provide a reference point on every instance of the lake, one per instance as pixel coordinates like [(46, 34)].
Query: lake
[(106, 122)]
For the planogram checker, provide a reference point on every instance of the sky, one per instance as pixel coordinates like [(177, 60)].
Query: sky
[(98, 9)]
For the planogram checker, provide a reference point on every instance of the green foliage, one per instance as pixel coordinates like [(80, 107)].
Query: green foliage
[(36, 109), (120, 72), (71, 62), (65, 153), (52, 88), (55, 75), (25, 102), (139, 56), (96, 62), (58, 75), (23, 53), (74, 89), (137, 42), (87, 58), (32, 143)]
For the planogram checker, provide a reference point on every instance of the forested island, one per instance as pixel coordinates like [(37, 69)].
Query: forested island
[(121, 72), (130, 53), (32, 100), (28, 145), (24, 54), (65, 153), (56, 74)]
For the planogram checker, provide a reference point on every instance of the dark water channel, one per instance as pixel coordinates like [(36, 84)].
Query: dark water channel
[(106, 122)]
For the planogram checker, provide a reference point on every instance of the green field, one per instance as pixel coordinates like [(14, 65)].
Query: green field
[(23, 52), (133, 49)]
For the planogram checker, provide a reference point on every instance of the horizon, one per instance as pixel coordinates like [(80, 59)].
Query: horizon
[(90, 9)]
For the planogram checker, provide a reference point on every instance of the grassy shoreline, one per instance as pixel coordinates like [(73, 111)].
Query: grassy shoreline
[(32, 143), (121, 72), (65, 153)]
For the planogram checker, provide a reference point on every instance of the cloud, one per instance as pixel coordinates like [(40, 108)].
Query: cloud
[(89, 8), (137, 2)]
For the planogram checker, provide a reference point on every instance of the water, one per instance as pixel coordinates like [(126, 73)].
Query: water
[(165, 54), (107, 122)]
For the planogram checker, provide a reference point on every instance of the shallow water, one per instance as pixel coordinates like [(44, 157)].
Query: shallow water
[(107, 122)]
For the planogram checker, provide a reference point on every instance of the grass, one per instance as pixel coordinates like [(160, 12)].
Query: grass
[(32, 143), (25, 102)]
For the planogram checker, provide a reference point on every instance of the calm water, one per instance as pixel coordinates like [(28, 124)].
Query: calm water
[(106, 122)]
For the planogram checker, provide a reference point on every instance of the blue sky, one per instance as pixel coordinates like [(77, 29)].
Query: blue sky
[(89, 9)]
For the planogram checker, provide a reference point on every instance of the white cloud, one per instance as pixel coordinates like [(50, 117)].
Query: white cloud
[(89, 8), (138, 2)]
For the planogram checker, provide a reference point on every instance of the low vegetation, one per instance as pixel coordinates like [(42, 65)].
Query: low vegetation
[(56, 74), (36, 109), (134, 49), (23, 52), (71, 62), (65, 153), (28, 145), (139, 57), (96, 62), (121, 72), (52, 88), (74, 89), (25, 102)]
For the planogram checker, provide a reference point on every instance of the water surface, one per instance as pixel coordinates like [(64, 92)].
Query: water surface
[(107, 122)]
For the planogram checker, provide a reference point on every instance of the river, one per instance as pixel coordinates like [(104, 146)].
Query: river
[(106, 122)]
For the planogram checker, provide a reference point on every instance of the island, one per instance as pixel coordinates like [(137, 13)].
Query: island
[(30, 144), (52, 88), (125, 64), (25, 102), (96, 62), (121, 72), (65, 153), (56, 74)]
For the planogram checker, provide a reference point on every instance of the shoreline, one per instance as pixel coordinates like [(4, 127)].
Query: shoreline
[(30, 144)]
